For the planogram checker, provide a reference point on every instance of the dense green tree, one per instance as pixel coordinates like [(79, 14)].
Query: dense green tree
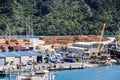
[(58, 17)]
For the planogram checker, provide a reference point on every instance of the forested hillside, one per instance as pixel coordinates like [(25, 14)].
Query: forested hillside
[(58, 17)]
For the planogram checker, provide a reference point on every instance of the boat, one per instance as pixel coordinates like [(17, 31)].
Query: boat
[(36, 75), (55, 58), (2, 73), (115, 52), (67, 59)]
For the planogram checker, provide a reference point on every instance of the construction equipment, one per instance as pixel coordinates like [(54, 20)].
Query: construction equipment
[(101, 36), (100, 39)]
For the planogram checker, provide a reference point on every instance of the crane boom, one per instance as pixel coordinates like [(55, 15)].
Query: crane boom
[(100, 39)]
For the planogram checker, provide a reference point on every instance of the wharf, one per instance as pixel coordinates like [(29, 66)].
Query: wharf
[(70, 66), (55, 67)]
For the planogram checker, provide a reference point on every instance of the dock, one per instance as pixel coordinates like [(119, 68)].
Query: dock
[(55, 67)]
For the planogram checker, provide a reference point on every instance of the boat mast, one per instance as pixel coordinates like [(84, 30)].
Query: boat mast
[(32, 31), (8, 29), (118, 26), (118, 33), (27, 28)]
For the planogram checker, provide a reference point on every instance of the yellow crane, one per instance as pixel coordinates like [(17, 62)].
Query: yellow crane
[(100, 39)]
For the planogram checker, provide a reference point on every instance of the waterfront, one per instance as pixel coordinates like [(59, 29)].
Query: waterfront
[(99, 73), (61, 63)]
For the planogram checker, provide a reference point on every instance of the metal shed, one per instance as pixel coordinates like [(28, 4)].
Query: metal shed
[(18, 57), (9, 56)]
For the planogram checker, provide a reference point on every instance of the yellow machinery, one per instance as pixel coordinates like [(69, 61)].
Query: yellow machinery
[(100, 39)]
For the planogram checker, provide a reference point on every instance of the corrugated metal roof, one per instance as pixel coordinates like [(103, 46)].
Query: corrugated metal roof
[(8, 54), (37, 53), (19, 54), (25, 53), (1, 55)]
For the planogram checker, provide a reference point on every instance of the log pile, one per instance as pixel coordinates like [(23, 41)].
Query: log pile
[(71, 39), (59, 41)]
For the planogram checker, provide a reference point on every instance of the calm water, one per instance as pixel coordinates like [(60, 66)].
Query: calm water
[(101, 73)]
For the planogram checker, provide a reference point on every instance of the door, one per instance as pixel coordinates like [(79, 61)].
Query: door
[(17, 61), (2, 61)]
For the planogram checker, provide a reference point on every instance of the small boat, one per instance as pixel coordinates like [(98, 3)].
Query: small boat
[(55, 58), (67, 59), (36, 75), (2, 73)]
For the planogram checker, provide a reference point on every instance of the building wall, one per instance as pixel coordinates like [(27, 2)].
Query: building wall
[(28, 58), (25, 58), (34, 58), (9, 59), (2, 61), (75, 50), (17, 60)]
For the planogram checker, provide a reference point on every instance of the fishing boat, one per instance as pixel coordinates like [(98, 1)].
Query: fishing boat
[(36, 75)]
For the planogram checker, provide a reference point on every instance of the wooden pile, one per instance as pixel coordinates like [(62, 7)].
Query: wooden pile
[(18, 42), (13, 43), (71, 39), (59, 41), (2, 41)]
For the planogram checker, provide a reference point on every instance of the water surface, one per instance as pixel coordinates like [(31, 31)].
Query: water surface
[(100, 73)]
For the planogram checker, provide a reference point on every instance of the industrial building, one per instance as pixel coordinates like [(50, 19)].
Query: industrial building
[(19, 57)]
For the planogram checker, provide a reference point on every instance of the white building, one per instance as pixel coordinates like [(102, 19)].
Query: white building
[(77, 50), (91, 46)]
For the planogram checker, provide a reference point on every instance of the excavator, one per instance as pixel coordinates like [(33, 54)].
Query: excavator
[(100, 39)]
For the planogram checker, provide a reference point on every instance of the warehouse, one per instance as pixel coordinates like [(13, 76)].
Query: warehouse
[(18, 57)]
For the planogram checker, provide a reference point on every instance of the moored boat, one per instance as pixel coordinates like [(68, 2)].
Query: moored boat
[(2, 73), (115, 52), (36, 75)]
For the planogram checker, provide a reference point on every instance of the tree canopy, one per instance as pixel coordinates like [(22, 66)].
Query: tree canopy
[(58, 17)]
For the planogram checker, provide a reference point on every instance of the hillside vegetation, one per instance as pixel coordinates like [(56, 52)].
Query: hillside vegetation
[(58, 17)]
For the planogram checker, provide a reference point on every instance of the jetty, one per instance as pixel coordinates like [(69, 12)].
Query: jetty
[(55, 67)]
